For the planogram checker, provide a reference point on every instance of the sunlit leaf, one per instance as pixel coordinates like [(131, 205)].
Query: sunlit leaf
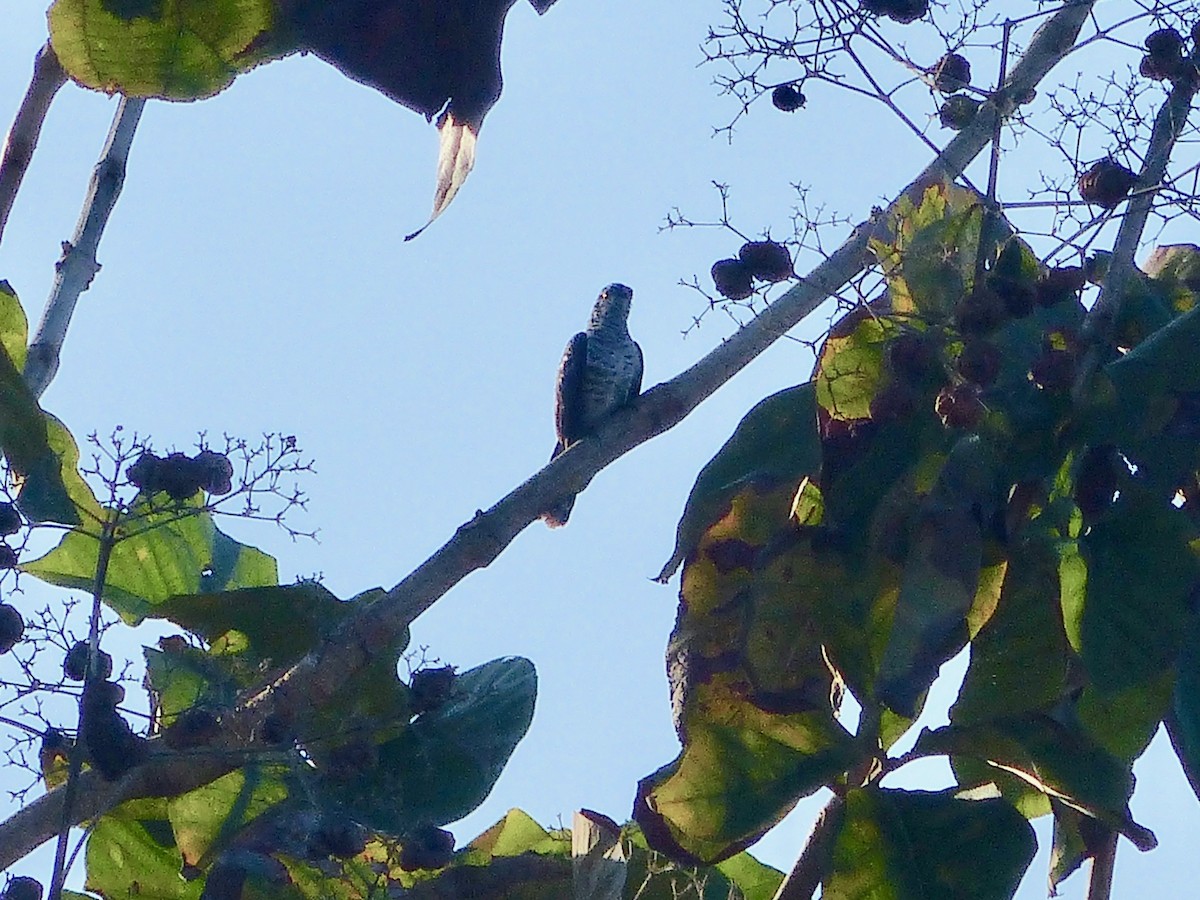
[(134, 842), (177, 50), (211, 815)]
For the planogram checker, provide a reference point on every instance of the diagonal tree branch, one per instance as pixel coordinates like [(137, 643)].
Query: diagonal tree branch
[(316, 678), (48, 77), (78, 265), (1102, 318)]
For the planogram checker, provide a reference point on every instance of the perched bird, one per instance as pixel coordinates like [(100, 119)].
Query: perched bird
[(601, 371)]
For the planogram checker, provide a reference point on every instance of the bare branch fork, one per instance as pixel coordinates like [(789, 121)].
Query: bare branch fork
[(317, 677)]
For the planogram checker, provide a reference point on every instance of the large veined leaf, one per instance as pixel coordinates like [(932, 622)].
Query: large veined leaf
[(776, 442), (160, 552), (170, 49), (914, 845), (209, 817), (136, 837), (445, 763), (14, 327)]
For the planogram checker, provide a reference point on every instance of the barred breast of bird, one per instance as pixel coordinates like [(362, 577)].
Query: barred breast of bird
[(610, 364)]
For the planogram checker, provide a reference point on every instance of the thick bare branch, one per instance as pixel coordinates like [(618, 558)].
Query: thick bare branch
[(78, 265), (48, 77), (316, 678)]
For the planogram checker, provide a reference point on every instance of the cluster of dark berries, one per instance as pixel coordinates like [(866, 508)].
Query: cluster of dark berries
[(426, 847), (22, 888), (951, 73), (336, 836), (76, 664), (1165, 59), (352, 759), (788, 98), (912, 361), (12, 627), (10, 523), (195, 727), (764, 260), (180, 476), (429, 689), (1106, 183), (1054, 369), (112, 747), (958, 111), (902, 11), (960, 405)]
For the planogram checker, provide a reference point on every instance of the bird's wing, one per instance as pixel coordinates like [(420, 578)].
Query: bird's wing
[(568, 392), (635, 386)]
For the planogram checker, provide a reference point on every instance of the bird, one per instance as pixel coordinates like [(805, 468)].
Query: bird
[(600, 372)]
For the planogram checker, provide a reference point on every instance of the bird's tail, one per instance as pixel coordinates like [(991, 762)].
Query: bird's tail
[(556, 516)]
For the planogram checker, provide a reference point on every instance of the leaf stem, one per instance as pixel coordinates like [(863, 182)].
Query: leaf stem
[(1100, 881)]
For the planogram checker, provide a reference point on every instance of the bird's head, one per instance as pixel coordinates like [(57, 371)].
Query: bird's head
[(612, 306)]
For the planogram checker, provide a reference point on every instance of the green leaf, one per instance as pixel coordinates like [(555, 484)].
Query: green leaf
[(1019, 659), (445, 763), (254, 615), (929, 248), (913, 845), (1062, 762), (850, 367), (177, 50), (775, 442), (54, 491), (518, 833), (206, 819), (756, 880), (1183, 722), (1142, 561), (941, 575), (161, 552), (14, 327), (134, 842)]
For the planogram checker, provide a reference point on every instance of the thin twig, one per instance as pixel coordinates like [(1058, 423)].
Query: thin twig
[(358, 642), (78, 265), (814, 861), (1102, 319), (48, 77), (1100, 880)]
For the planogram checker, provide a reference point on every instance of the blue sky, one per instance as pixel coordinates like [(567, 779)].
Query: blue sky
[(255, 279)]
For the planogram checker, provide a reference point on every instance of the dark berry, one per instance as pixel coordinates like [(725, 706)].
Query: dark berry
[(10, 520), (173, 643), (1096, 481), (787, 98), (1158, 69), (112, 747), (8, 557), (144, 473), (216, 472), (896, 400), (1106, 183), (431, 688), (980, 312), (22, 888), (902, 11), (75, 665), (179, 476), (1164, 42), (959, 406), (958, 111), (767, 260), (979, 362), (195, 727), (337, 836), (911, 356), (12, 627), (426, 848), (952, 73), (1057, 285), (352, 759), (732, 279), (1053, 370)]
